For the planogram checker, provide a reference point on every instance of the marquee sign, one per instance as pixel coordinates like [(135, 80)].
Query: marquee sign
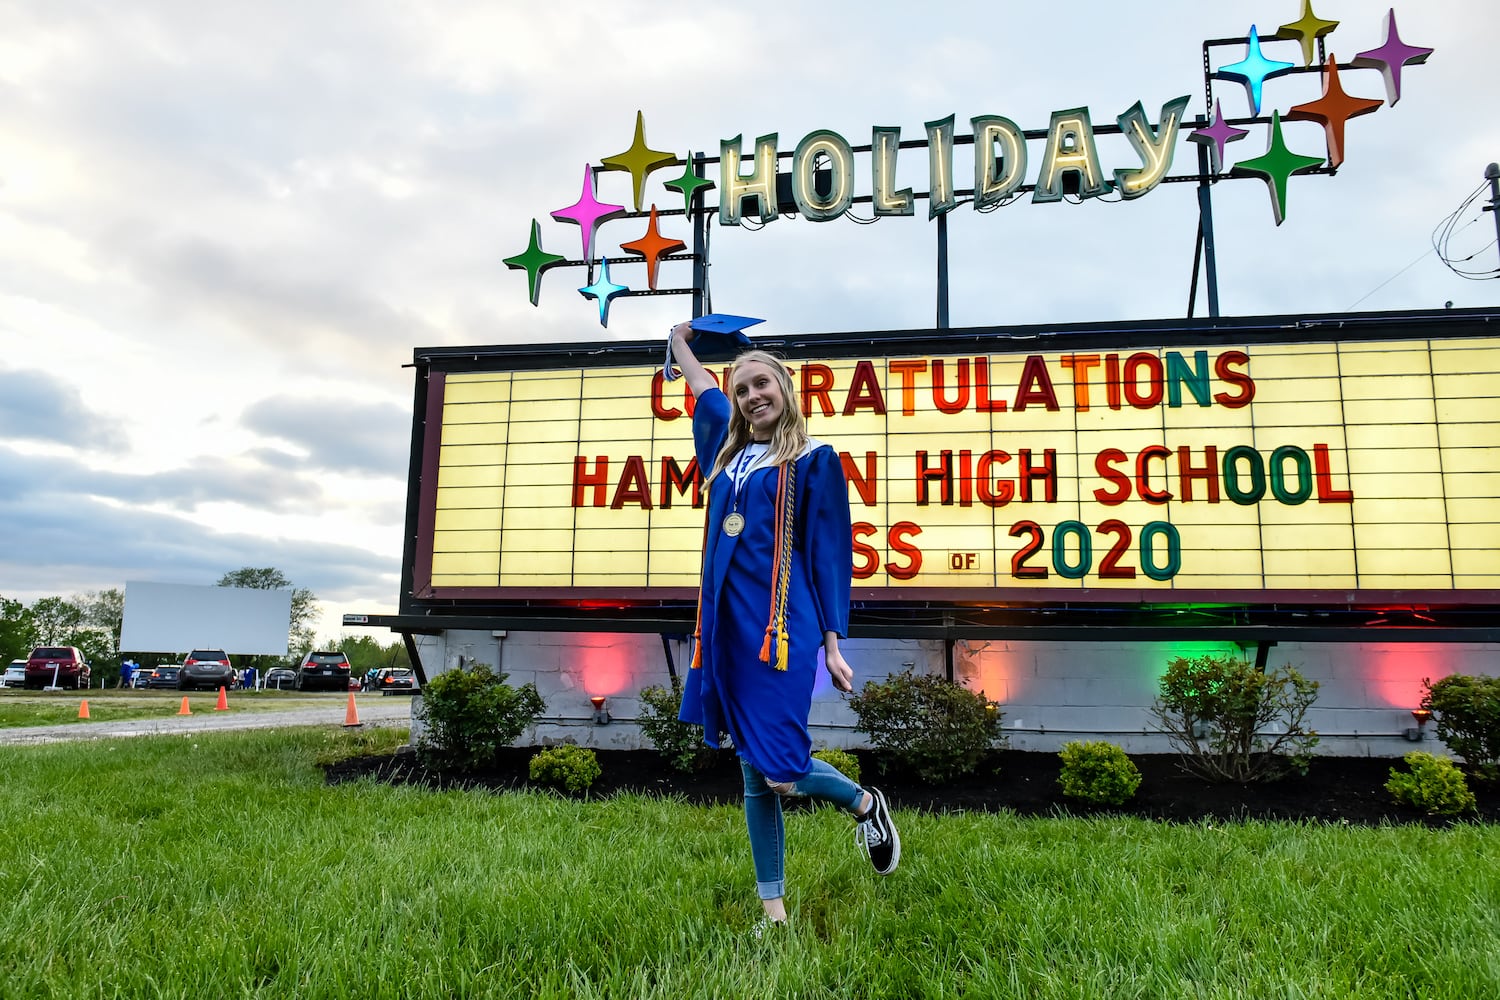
[(825, 179), (1184, 472)]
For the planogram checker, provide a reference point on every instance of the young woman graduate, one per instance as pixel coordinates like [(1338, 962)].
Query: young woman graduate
[(777, 565)]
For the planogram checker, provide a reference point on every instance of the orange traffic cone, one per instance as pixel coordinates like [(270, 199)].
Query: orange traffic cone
[(83, 709), (351, 714), (184, 710), (223, 705)]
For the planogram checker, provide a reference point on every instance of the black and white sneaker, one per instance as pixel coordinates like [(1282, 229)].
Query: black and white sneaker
[(876, 833)]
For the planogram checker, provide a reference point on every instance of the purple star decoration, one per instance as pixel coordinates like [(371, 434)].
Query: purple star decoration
[(1215, 136), (587, 212), (1390, 57)]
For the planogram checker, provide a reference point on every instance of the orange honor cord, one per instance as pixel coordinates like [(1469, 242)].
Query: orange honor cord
[(697, 660), (781, 567)]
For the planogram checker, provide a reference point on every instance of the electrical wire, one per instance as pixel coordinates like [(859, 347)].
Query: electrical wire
[(1445, 231)]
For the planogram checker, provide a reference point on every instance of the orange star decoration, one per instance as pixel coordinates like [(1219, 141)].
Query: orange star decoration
[(653, 246), (1332, 110)]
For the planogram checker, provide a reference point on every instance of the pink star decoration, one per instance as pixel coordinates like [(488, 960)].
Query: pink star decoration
[(1390, 57), (1215, 136), (587, 212)]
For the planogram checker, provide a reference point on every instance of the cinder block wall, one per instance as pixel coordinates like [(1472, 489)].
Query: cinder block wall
[(1050, 692)]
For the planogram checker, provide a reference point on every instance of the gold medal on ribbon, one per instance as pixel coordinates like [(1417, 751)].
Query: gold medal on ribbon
[(734, 523)]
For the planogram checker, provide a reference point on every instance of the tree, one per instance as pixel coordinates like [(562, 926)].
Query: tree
[(366, 654), (17, 630), (104, 610), (57, 621), (301, 636)]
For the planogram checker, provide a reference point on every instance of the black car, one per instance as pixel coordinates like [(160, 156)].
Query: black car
[(160, 677), (281, 678), (209, 668), (323, 671), (395, 680)]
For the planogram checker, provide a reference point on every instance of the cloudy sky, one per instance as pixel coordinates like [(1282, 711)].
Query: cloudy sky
[(224, 226)]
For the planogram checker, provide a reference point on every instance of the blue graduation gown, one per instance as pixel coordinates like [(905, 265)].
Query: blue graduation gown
[(762, 708)]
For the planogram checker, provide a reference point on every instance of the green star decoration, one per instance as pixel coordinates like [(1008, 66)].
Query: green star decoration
[(639, 160), (534, 261), (688, 184), (1276, 166)]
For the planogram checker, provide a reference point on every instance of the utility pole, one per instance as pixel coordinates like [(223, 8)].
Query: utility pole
[(1492, 174)]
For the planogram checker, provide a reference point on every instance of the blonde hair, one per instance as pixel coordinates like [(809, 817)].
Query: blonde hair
[(788, 438)]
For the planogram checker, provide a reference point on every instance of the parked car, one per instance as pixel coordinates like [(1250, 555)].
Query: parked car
[(395, 680), (208, 668), (326, 670), (164, 676), (15, 675), (60, 665), (281, 678)]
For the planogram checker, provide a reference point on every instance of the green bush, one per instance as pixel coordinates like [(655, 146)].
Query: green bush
[(681, 743), (1467, 712), (1233, 722), (1097, 772), (472, 714), (844, 761), (936, 727), (1434, 785), (565, 766)]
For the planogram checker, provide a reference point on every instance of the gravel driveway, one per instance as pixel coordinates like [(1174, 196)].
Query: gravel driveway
[(385, 712)]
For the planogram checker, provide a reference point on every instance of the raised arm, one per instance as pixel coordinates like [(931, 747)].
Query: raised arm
[(698, 378)]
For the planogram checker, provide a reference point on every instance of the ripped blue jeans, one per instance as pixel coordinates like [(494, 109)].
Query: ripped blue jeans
[(824, 782)]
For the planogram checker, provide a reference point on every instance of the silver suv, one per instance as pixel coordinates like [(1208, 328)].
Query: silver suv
[(208, 668)]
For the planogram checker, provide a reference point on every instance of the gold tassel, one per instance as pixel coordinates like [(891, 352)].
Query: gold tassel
[(781, 649)]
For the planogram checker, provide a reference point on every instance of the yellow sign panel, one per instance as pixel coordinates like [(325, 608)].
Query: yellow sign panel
[(1351, 466)]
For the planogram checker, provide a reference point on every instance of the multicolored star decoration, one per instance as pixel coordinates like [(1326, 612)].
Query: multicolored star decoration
[(604, 291), (1276, 166), (1332, 110), (534, 261), (639, 160), (653, 246)]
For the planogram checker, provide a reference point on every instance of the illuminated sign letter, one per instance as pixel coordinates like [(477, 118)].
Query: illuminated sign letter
[(996, 177), (814, 147), (884, 143), (940, 199), (760, 184), (1154, 148), (1070, 150)]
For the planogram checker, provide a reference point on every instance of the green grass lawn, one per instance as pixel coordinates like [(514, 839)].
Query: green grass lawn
[(52, 708), (220, 865)]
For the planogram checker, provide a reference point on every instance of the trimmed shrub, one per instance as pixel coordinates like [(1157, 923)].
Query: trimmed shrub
[(936, 727), (566, 766), (472, 714), (1232, 722), (1097, 772), (681, 743), (1433, 785), (844, 761), (1467, 712)]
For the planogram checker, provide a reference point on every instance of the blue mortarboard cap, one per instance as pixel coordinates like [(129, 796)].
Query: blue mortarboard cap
[(716, 333)]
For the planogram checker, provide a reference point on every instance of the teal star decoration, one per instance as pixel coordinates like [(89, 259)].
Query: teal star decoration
[(534, 261), (639, 160), (688, 184), (603, 290), (1276, 166), (1253, 70)]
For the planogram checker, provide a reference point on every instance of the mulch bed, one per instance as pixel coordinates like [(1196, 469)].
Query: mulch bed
[(1334, 790)]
